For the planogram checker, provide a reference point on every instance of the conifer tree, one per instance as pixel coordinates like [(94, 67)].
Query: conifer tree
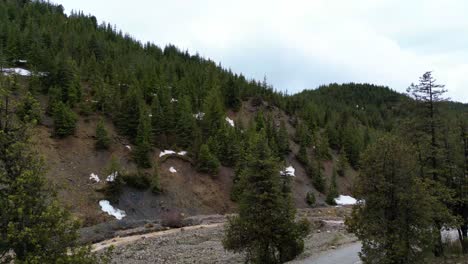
[(33, 227), (207, 162), (283, 139), (143, 140), (317, 175), (185, 123), (342, 164), (332, 192), (155, 180), (265, 228), (64, 120), (395, 221), (214, 113), (29, 109), (102, 137)]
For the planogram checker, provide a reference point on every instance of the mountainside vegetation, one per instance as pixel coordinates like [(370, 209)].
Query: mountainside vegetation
[(233, 133)]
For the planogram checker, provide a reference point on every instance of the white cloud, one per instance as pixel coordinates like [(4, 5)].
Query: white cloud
[(302, 44)]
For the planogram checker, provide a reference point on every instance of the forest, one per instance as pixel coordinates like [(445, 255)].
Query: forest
[(411, 150)]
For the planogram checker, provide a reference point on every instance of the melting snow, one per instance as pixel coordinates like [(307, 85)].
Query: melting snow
[(173, 100), (128, 147), (171, 152), (171, 169), (94, 177), (112, 176), (230, 121), (345, 200), (108, 208), (19, 71), (199, 115), (288, 171)]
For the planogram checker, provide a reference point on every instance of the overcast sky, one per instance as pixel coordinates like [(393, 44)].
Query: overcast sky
[(302, 44)]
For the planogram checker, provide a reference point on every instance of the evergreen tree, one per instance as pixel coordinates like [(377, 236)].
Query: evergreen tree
[(155, 180), (214, 113), (394, 223), (317, 175), (64, 120), (207, 162), (29, 109), (265, 228), (232, 95), (143, 140), (33, 227), (102, 137), (302, 156), (185, 123), (342, 164), (332, 192), (310, 199), (115, 181)]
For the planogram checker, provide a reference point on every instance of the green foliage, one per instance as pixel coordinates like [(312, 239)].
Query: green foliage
[(29, 109), (283, 139), (315, 171), (310, 199), (114, 186), (102, 137), (302, 156), (34, 228), (155, 180), (143, 141), (140, 180), (397, 214), (265, 229), (332, 192), (64, 120), (206, 161), (342, 163)]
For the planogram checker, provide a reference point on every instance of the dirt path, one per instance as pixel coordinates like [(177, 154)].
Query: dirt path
[(119, 241), (345, 254)]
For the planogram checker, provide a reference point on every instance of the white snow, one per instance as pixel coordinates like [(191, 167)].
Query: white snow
[(109, 209), (449, 235), (173, 100), (128, 147), (288, 171), (171, 152), (150, 115), (22, 61), (172, 170), (94, 177), (345, 200), (199, 115), (230, 121), (19, 71), (112, 176)]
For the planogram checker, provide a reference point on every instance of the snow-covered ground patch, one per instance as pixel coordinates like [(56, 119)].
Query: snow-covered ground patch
[(199, 115), (172, 152), (288, 171), (345, 200), (230, 121), (94, 177), (18, 71), (109, 209), (111, 177), (128, 147), (172, 170), (173, 100)]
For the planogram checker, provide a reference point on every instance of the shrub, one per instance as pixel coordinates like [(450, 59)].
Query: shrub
[(64, 120), (102, 137), (207, 162), (138, 181), (310, 199)]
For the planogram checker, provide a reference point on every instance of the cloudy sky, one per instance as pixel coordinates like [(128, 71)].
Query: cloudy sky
[(302, 44)]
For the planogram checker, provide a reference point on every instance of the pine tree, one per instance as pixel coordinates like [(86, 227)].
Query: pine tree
[(395, 221), (29, 109), (143, 140), (207, 162), (342, 164), (310, 199), (115, 182), (102, 137), (33, 227), (155, 180), (302, 155), (265, 228), (332, 192), (185, 123), (214, 113), (317, 175), (64, 120)]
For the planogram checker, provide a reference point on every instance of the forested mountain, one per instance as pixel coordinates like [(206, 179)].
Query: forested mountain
[(103, 99)]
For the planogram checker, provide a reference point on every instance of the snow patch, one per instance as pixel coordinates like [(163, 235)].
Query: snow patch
[(128, 147), (18, 71), (230, 121), (94, 177), (199, 115), (111, 177), (173, 100), (288, 171), (172, 152), (345, 200), (172, 170), (109, 209)]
